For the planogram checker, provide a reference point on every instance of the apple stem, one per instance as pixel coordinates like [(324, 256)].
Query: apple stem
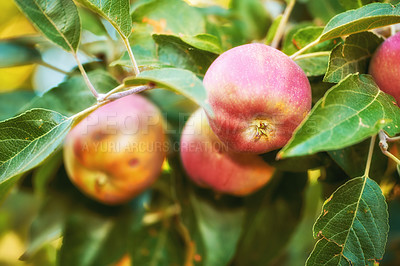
[(282, 24), (383, 139), (131, 56), (370, 152), (85, 77), (305, 48)]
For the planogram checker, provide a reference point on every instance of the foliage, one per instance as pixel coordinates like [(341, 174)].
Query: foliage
[(175, 222)]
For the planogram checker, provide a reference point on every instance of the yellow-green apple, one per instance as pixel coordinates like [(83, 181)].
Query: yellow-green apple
[(385, 66), (258, 96), (209, 163), (117, 151)]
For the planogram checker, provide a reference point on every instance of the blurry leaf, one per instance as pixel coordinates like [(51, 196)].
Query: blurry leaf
[(353, 225), (114, 11), (350, 112), (352, 56), (28, 139), (6, 187), (43, 174), (362, 19), (297, 165), (170, 17), (272, 30), (220, 229), (354, 158), (288, 46), (158, 244), (353, 4), (309, 34), (315, 65), (73, 96), (91, 22), (12, 102), (272, 215), (205, 42), (178, 80), (58, 20), (46, 227), (324, 10), (251, 18), (13, 53), (174, 52)]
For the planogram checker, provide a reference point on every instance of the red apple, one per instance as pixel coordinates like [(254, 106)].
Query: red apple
[(385, 66), (210, 164), (117, 151), (258, 96)]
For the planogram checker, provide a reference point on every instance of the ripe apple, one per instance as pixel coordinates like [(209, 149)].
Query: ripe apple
[(258, 96), (385, 66), (210, 164), (117, 151)]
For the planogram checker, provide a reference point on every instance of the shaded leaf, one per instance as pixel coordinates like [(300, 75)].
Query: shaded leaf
[(352, 56), (315, 65), (324, 10), (353, 225), (349, 112), (272, 30), (178, 80), (362, 19), (28, 139), (205, 42), (58, 20), (114, 11), (45, 172), (306, 35), (15, 53), (12, 102)]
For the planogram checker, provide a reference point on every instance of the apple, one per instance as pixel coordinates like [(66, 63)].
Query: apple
[(385, 66), (258, 96), (117, 151), (209, 163)]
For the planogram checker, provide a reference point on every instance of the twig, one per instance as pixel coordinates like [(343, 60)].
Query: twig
[(115, 96), (305, 48), (131, 56), (370, 152), (282, 24), (316, 54), (42, 63), (383, 139), (85, 77)]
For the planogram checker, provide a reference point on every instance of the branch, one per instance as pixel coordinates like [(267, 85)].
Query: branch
[(282, 24), (85, 77), (383, 139)]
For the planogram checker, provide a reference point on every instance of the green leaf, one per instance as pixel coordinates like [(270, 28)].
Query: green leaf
[(28, 139), (272, 30), (15, 53), (175, 52), (73, 96), (352, 56), (114, 11), (309, 34), (362, 19), (58, 20), (12, 102), (178, 80), (324, 10), (170, 17), (314, 65), (350, 112), (205, 42), (353, 225), (45, 172)]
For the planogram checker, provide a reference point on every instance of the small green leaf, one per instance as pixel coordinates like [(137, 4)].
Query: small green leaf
[(14, 53), (309, 34), (272, 30), (178, 80), (58, 20), (362, 19), (115, 11), (349, 112), (353, 225), (205, 42), (352, 56), (315, 65), (73, 96), (28, 139)]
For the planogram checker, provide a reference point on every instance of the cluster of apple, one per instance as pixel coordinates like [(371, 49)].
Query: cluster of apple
[(258, 96)]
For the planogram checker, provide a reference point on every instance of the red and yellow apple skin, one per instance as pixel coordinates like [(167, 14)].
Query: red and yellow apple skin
[(117, 151), (210, 164), (385, 66), (258, 96)]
